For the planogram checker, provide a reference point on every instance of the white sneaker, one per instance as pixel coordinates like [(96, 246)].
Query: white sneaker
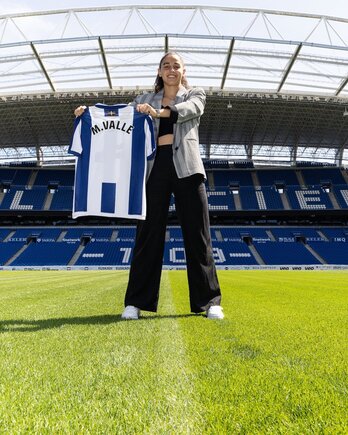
[(215, 312), (130, 313)]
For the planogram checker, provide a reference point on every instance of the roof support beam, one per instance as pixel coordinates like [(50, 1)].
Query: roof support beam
[(339, 156), (227, 64), (291, 63), (166, 44), (341, 87), (105, 62), (42, 66), (39, 155), (293, 154)]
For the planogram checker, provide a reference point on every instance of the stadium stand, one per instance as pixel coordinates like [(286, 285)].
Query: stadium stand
[(59, 177), (3, 234), (232, 246), (126, 234), (269, 177), (266, 198), (232, 190), (62, 199), (15, 176), (293, 234), (309, 199), (37, 234), (295, 253), (46, 254), (341, 192), (19, 198), (8, 250), (336, 234), (94, 234), (317, 176), (106, 253), (332, 253), (225, 254), (237, 234), (220, 199), (223, 178)]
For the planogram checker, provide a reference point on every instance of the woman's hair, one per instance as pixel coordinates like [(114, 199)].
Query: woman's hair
[(159, 81)]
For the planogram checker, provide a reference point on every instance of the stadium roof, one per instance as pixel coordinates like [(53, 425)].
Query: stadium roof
[(277, 82)]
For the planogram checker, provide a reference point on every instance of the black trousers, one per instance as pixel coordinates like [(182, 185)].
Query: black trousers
[(192, 209)]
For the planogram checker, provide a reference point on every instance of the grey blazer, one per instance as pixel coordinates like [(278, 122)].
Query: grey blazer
[(189, 104)]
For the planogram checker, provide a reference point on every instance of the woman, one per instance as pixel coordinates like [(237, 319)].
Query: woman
[(178, 169)]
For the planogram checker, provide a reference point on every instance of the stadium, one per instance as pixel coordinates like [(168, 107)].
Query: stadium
[(274, 142)]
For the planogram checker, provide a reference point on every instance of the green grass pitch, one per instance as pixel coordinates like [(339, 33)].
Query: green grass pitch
[(277, 364)]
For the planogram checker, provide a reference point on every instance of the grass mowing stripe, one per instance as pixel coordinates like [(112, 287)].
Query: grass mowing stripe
[(277, 362), (67, 367), (173, 376)]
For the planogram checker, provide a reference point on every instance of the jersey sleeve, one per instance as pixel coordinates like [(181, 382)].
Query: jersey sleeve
[(150, 138), (76, 143)]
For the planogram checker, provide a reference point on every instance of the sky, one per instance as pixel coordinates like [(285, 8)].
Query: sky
[(336, 8), (333, 8)]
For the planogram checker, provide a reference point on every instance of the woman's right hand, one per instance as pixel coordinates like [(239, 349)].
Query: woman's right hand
[(79, 110)]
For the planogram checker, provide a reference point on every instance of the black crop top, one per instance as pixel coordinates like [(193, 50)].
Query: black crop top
[(166, 125)]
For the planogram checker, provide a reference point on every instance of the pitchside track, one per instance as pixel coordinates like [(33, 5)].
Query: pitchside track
[(276, 364)]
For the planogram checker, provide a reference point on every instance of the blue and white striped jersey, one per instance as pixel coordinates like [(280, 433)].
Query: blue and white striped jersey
[(112, 145)]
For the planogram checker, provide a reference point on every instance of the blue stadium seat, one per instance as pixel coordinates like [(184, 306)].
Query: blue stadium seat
[(316, 176), (249, 200), (270, 197), (7, 250), (225, 254), (341, 193), (24, 199), (336, 234), (126, 234), (4, 233), (232, 254), (95, 234), (308, 199), (21, 177), (223, 178), (331, 252), (106, 254), (175, 234), (73, 235), (63, 177), (46, 254), (220, 199), (62, 199), (17, 177), (268, 177), (236, 234), (291, 234), (273, 253), (7, 174), (41, 234)]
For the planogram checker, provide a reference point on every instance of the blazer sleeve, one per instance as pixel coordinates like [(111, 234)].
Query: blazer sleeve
[(192, 107)]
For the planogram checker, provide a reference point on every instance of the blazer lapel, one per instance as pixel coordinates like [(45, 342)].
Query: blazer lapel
[(180, 95)]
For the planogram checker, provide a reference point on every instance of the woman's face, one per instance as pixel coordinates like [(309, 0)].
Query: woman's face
[(172, 70)]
